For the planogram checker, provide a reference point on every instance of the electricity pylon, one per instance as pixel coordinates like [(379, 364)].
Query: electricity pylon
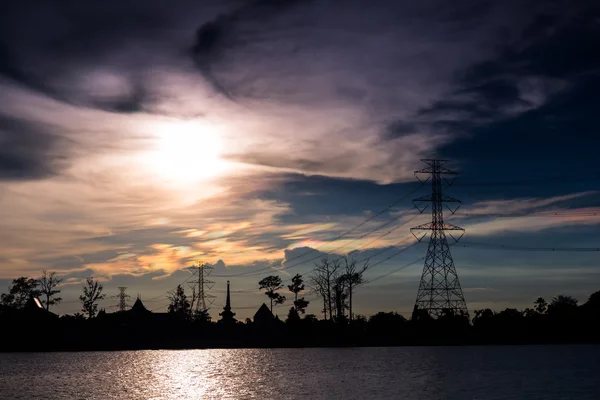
[(439, 290), (203, 285), (122, 296)]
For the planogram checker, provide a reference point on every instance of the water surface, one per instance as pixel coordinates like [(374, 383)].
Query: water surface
[(503, 372)]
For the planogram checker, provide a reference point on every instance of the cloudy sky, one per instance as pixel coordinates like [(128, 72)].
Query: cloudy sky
[(138, 138)]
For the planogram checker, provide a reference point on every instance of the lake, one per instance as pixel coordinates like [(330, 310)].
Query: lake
[(476, 373)]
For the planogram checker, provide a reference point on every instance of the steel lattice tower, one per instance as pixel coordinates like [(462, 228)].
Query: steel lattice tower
[(439, 290), (122, 296), (203, 286)]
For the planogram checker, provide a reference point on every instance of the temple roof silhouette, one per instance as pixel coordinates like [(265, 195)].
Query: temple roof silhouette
[(227, 315), (34, 309), (138, 306), (263, 314)]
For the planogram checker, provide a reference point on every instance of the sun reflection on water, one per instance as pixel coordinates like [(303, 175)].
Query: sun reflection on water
[(202, 374)]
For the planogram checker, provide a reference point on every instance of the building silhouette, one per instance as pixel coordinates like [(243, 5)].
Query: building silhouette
[(34, 310), (263, 317), (227, 316)]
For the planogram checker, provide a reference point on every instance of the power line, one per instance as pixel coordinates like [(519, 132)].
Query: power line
[(398, 201), (526, 248), (160, 308), (395, 270), (385, 249), (531, 181), (287, 267), (167, 292), (541, 214)]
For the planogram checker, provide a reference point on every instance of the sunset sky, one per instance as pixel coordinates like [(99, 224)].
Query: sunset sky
[(139, 137)]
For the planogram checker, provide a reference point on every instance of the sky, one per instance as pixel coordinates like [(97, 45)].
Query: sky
[(258, 136)]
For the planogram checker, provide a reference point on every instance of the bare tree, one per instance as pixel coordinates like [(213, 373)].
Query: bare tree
[(323, 281), (49, 283), (353, 277), (92, 292), (340, 295), (319, 286)]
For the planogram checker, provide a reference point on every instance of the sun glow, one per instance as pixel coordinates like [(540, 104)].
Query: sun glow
[(187, 152)]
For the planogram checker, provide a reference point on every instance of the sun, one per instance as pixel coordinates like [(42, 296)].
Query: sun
[(186, 152)]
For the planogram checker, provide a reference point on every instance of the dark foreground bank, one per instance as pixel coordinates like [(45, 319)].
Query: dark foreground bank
[(121, 332)]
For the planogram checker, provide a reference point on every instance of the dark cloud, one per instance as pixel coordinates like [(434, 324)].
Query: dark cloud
[(314, 197), (300, 255), (216, 36), (400, 128), (555, 51), (45, 47), (29, 150)]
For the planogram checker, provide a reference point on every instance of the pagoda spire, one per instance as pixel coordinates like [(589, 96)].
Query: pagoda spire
[(228, 301), (227, 315)]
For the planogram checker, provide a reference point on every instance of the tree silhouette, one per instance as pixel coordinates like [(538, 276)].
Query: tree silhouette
[(49, 288), (296, 287), (322, 281), (387, 323), (593, 302), (293, 316), (202, 316), (540, 305), (340, 295), (562, 305), (271, 284), (179, 303), (529, 313), (353, 277), (482, 317), (19, 293), (92, 292)]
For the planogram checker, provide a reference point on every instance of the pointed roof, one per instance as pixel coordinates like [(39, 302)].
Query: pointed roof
[(34, 304), (263, 314), (34, 308), (138, 306)]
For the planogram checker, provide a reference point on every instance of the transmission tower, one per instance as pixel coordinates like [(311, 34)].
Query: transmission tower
[(122, 296), (202, 286), (439, 290)]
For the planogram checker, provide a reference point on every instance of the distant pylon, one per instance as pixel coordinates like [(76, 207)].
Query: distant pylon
[(439, 289), (122, 296), (202, 286)]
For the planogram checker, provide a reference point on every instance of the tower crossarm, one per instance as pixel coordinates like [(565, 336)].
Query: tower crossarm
[(445, 199), (444, 226), (440, 170), (435, 167), (440, 226), (436, 200)]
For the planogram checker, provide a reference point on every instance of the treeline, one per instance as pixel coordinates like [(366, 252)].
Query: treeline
[(560, 320), (46, 288)]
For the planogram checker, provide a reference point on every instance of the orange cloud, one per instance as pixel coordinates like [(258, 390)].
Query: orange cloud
[(239, 252), (163, 257)]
